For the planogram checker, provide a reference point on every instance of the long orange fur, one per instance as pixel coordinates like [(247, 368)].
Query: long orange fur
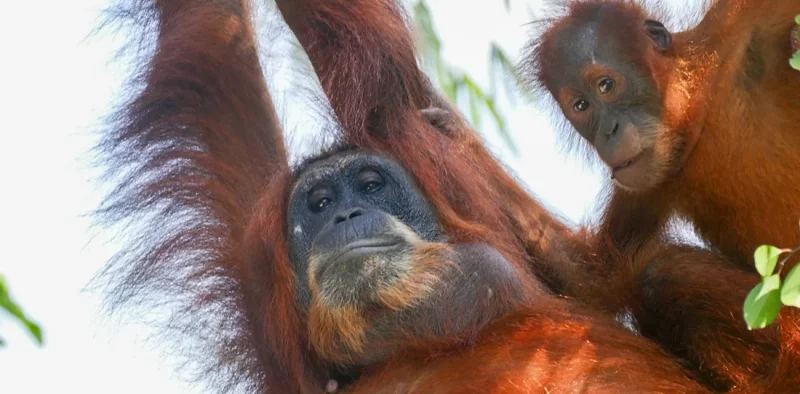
[(739, 185)]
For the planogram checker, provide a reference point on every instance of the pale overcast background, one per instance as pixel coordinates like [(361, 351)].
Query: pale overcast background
[(55, 86)]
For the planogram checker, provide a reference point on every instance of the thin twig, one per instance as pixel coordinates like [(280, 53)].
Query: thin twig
[(785, 259)]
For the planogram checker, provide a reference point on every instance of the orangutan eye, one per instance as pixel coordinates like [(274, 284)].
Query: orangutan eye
[(369, 181), (319, 199), (580, 105), (371, 187), (606, 85), (322, 203)]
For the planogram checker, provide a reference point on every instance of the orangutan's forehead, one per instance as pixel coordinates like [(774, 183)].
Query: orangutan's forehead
[(577, 43), (329, 168)]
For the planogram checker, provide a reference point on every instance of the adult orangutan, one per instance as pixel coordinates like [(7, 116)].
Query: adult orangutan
[(691, 124), (385, 263)]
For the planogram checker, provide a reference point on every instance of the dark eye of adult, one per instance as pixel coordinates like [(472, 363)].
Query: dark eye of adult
[(320, 199), (370, 181)]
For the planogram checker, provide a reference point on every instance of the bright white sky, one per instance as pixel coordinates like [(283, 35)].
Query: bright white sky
[(54, 89)]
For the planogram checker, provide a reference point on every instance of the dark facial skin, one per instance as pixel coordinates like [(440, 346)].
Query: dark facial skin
[(600, 72), (352, 204), (372, 263)]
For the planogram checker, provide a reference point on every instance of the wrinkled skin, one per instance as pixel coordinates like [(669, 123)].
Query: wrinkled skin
[(374, 267)]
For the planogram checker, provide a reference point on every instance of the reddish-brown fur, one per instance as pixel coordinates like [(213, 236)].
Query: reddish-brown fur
[(368, 70), (203, 176), (735, 109), (551, 248), (552, 347)]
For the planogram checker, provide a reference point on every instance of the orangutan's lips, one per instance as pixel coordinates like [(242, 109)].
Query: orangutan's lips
[(626, 163), (358, 250), (368, 246)]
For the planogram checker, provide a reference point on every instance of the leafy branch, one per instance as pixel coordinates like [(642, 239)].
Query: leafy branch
[(455, 82), (11, 306), (764, 302)]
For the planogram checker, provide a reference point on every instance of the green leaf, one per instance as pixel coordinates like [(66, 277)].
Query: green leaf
[(474, 112), (35, 330), (790, 291), (795, 61), (422, 15), (429, 44), (490, 105), (763, 304), (797, 19), (2, 342), (452, 82), (766, 257), (16, 311)]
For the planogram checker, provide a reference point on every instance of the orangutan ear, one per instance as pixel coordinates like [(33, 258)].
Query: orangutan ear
[(658, 33)]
